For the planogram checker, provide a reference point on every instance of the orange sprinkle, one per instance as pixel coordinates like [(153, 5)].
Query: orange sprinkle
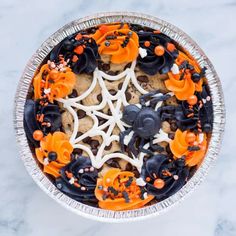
[(170, 47), (78, 36), (159, 50), (159, 183), (148, 179), (41, 118), (74, 58), (69, 175), (147, 44), (76, 185), (38, 135), (192, 100), (156, 31), (79, 50)]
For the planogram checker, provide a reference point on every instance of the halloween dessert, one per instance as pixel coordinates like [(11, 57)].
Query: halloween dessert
[(119, 116)]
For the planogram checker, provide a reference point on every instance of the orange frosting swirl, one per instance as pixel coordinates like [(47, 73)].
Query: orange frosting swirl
[(53, 83), (58, 144), (118, 191), (181, 84), (118, 41), (189, 145)]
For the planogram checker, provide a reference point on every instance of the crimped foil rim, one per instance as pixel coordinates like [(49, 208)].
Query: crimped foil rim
[(218, 124)]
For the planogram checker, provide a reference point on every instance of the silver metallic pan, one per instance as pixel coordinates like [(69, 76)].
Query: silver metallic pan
[(144, 20)]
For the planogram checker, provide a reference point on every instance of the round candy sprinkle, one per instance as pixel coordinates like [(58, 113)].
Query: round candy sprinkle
[(52, 156), (159, 50), (79, 50), (147, 44), (192, 100), (159, 183), (38, 135), (170, 47)]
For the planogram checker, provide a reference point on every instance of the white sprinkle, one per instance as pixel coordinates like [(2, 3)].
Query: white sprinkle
[(175, 69), (201, 137), (91, 169), (46, 161), (83, 188), (52, 65), (81, 171), (47, 91), (72, 180), (176, 177), (208, 98), (145, 196), (142, 52), (140, 182), (204, 100), (86, 169)]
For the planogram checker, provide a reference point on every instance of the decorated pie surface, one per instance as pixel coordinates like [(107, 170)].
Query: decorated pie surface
[(120, 116)]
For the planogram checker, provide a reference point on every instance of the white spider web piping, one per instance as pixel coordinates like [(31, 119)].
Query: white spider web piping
[(113, 120)]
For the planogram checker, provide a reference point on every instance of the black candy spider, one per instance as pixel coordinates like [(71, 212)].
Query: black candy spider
[(144, 122)]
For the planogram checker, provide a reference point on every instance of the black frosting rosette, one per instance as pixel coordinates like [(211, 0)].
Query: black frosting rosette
[(79, 51), (155, 62), (199, 116), (164, 176), (50, 120), (78, 180)]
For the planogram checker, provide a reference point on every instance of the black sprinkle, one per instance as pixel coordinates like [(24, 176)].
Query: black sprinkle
[(193, 148), (126, 196), (129, 182)]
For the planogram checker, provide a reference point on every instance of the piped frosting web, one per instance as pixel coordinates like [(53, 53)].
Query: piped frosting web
[(112, 120)]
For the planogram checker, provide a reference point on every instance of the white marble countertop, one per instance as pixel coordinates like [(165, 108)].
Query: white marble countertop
[(26, 210)]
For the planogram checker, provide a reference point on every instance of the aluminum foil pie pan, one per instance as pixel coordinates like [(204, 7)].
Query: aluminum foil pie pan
[(218, 124)]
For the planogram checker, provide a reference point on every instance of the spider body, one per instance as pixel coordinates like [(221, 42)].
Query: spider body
[(145, 122)]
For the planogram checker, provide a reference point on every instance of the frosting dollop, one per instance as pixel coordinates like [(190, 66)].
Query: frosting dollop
[(187, 79), (79, 51), (117, 41), (160, 52), (53, 82), (118, 191), (190, 146), (163, 175), (78, 180), (54, 152), (46, 118), (198, 116)]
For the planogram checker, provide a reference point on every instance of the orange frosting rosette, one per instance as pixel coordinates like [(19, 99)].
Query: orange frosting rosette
[(54, 152), (52, 83), (181, 84), (118, 41), (192, 146), (118, 191)]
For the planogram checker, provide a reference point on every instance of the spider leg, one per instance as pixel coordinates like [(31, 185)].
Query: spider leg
[(156, 147), (160, 98), (122, 137), (162, 112), (131, 145), (141, 149), (146, 96)]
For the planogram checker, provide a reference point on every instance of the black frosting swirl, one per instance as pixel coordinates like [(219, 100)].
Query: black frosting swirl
[(204, 113), (87, 179), (151, 64), (155, 167), (86, 62), (51, 114)]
